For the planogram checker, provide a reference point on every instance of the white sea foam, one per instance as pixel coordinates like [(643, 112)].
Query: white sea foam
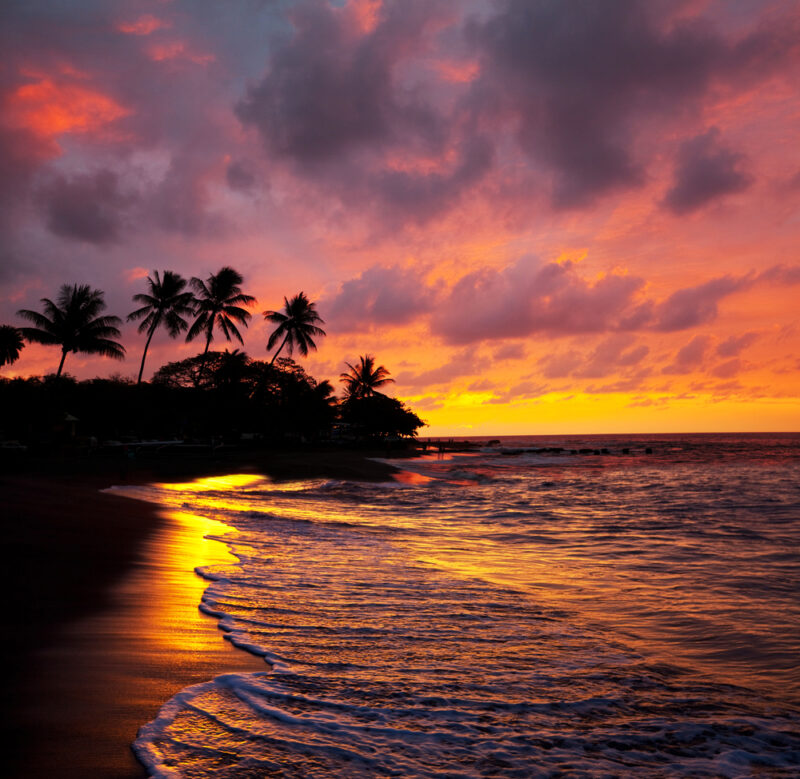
[(630, 619)]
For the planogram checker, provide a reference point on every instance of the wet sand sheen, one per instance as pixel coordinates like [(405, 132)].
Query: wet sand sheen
[(109, 673)]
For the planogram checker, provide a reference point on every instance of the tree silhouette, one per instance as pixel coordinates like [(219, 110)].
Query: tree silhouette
[(219, 302), (74, 323), (166, 304), (297, 324), (11, 344), (363, 379)]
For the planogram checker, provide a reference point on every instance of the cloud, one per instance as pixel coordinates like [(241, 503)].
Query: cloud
[(697, 305), (464, 363), (529, 297), (87, 207), (354, 108), (781, 274), (513, 351), (379, 296), (690, 357), (612, 354), (330, 90), (239, 177), (523, 390), (561, 365), (579, 79), (705, 171), (735, 344), (727, 369)]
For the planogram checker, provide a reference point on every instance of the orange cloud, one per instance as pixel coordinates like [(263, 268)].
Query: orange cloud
[(50, 108), (144, 25), (133, 274), (161, 52), (457, 72), (365, 14)]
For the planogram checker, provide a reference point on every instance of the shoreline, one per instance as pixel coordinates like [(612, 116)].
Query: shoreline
[(87, 567)]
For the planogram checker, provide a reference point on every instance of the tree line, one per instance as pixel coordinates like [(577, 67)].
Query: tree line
[(277, 396)]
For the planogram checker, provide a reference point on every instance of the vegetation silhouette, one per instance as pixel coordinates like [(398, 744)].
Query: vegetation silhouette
[(74, 323), (369, 413), (219, 302), (213, 397), (363, 380), (11, 344), (297, 325), (167, 303)]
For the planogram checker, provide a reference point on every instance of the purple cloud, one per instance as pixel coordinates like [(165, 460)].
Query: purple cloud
[(705, 171), (530, 297), (379, 296), (735, 344), (696, 305), (578, 77), (87, 207), (690, 357)]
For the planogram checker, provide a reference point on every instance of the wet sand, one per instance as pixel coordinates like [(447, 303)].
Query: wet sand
[(109, 672), (103, 614)]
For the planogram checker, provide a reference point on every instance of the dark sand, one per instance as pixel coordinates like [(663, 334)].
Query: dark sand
[(102, 606)]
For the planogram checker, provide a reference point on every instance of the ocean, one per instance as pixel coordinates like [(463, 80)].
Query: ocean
[(581, 606)]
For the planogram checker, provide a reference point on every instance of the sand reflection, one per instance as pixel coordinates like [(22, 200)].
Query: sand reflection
[(115, 669)]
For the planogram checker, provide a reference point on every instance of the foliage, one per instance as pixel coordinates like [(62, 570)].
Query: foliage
[(297, 325), (219, 301), (380, 416), (74, 323), (166, 304), (11, 344), (363, 380)]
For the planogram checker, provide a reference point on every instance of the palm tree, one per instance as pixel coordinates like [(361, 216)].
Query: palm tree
[(218, 303), (11, 344), (297, 324), (363, 379), (167, 303), (74, 323)]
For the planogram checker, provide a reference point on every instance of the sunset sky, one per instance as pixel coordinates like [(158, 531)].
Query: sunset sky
[(540, 216)]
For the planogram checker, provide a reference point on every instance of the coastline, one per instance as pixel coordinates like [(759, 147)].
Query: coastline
[(88, 668)]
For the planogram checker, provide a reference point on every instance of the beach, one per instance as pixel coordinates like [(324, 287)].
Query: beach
[(103, 604), (591, 606)]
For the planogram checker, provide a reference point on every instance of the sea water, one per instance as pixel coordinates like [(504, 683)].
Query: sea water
[(588, 607)]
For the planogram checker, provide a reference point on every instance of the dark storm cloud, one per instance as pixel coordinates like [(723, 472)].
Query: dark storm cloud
[(577, 74), (582, 86), (331, 90), (705, 171), (335, 105), (580, 77), (239, 177), (89, 207)]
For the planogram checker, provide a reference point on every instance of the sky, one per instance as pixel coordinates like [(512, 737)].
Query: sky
[(542, 216)]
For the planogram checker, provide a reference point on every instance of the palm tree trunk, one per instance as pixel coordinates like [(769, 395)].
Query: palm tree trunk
[(144, 354), (61, 364), (203, 363), (283, 343)]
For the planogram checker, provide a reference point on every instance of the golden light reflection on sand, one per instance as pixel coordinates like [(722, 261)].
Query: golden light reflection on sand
[(116, 668)]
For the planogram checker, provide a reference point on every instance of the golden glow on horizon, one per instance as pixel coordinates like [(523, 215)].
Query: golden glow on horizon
[(567, 413)]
